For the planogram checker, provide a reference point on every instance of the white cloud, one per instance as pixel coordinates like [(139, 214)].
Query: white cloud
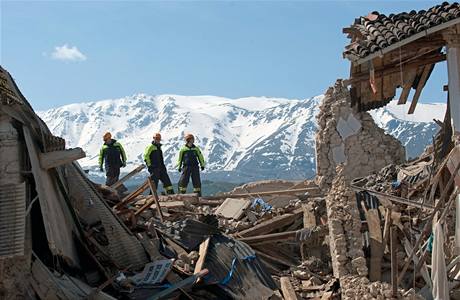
[(66, 53)]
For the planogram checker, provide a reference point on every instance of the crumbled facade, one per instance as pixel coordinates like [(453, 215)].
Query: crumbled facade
[(348, 137)]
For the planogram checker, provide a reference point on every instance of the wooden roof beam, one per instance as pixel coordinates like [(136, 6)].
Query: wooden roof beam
[(423, 61), (418, 91), (407, 86)]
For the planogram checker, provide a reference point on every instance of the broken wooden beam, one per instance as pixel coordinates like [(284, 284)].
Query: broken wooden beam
[(203, 251), (386, 229), (394, 262), (272, 224), (153, 188), (49, 160), (302, 235), (421, 83), (127, 176), (264, 193), (287, 289), (131, 196), (375, 236), (392, 198)]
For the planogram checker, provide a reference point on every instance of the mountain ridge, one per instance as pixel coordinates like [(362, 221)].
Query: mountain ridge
[(242, 139)]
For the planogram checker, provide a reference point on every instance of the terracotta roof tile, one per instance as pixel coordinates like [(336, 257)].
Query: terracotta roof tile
[(378, 31)]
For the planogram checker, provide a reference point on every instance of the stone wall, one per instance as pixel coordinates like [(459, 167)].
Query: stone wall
[(352, 138), (345, 238)]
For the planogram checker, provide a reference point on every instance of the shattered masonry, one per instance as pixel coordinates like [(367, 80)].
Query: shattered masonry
[(344, 223), (352, 138)]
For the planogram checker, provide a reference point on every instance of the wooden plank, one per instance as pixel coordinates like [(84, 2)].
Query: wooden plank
[(265, 193), (309, 221), (127, 176), (233, 208), (57, 219), (407, 86), (394, 262), (153, 188), (287, 289), (418, 91), (309, 218), (202, 252), (131, 196), (375, 234), (386, 229), (318, 232), (272, 224), (55, 159)]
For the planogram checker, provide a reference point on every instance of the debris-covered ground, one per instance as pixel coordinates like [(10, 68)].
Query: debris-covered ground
[(370, 225)]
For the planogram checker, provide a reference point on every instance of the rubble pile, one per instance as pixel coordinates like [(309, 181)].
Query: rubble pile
[(355, 287), (369, 226), (350, 137)]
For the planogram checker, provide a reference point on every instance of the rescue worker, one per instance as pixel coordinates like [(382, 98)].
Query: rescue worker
[(113, 156), (190, 158), (153, 157)]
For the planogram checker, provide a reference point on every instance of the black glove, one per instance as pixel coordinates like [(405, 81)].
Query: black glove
[(101, 169), (123, 164), (180, 169), (202, 168)]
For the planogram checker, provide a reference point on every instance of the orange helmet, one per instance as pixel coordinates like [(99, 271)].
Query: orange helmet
[(157, 136), (188, 137), (107, 136)]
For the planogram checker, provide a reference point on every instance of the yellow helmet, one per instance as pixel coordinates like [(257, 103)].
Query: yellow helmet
[(107, 136)]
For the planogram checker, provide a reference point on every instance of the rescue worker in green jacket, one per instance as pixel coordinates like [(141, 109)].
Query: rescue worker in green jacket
[(153, 157), (113, 156), (189, 162)]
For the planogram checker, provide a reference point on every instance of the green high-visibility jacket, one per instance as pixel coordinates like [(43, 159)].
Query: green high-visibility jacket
[(113, 154), (190, 156), (153, 155)]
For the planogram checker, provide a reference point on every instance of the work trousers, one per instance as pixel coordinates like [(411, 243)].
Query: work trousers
[(194, 172), (160, 174), (112, 174)]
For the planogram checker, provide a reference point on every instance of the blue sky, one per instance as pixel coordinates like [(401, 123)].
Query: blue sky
[(72, 51)]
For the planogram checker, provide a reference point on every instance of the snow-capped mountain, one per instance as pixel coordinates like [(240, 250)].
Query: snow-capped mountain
[(242, 139)]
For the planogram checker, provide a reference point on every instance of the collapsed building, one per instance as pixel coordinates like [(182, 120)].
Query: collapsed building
[(370, 225)]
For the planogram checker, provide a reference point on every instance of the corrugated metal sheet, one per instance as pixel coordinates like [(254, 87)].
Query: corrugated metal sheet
[(249, 279), (12, 219), (187, 233), (123, 248)]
